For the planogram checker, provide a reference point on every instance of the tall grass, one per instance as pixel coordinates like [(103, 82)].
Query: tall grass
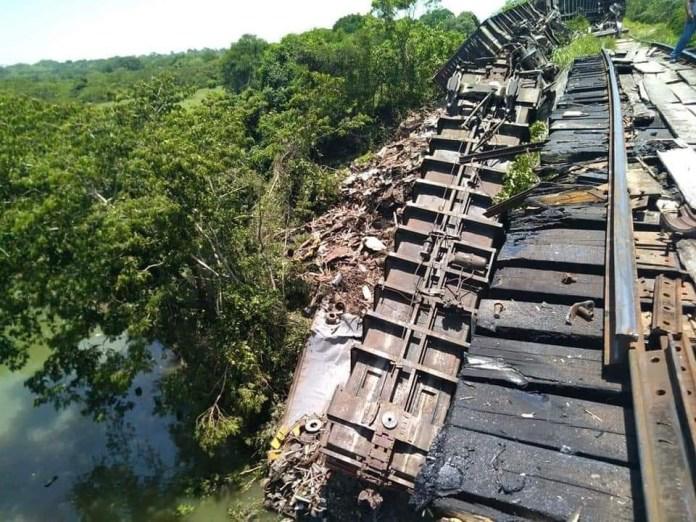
[(580, 46), (655, 32)]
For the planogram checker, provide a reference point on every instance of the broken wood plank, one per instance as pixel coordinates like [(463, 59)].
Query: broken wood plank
[(555, 236), (470, 511), (538, 322), (658, 92), (565, 424), (648, 67), (586, 217), (681, 165), (547, 366), (688, 75), (669, 76), (680, 121), (640, 182), (685, 93), (579, 124)]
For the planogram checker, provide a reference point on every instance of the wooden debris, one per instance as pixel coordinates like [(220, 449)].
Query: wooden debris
[(346, 248)]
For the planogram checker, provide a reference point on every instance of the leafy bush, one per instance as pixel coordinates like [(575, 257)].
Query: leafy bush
[(520, 174), (159, 215)]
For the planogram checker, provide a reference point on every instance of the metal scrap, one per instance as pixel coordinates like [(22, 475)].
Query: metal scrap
[(297, 474), (584, 309)]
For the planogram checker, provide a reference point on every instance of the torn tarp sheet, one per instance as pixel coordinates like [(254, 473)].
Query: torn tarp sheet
[(325, 364)]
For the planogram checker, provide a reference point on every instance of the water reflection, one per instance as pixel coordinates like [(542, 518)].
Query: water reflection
[(61, 466)]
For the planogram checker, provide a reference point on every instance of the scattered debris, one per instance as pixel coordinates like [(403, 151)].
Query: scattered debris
[(584, 309), (343, 249), (297, 475), (371, 498), (568, 279)]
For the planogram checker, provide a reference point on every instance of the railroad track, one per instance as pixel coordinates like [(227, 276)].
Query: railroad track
[(534, 359), (687, 54), (538, 428), (576, 397)]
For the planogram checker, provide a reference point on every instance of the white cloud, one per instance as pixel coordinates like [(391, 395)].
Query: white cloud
[(31, 30)]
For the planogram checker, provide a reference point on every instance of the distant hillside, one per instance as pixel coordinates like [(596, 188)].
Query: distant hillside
[(105, 80)]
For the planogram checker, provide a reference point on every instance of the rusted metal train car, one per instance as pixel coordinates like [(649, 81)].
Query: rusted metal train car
[(489, 379), (404, 372)]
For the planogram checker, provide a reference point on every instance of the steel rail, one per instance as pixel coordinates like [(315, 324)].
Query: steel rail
[(622, 270), (690, 55)]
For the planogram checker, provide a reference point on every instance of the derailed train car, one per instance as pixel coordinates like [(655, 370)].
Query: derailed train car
[(381, 424), (403, 377), (404, 371), (593, 10)]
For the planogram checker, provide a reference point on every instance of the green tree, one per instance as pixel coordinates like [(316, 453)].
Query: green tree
[(466, 23), (438, 17), (350, 23), (241, 61), (388, 9), (158, 222)]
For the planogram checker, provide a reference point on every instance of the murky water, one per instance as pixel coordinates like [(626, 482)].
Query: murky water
[(60, 466)]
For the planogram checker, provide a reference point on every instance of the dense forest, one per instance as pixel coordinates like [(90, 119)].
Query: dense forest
[(166, 220)]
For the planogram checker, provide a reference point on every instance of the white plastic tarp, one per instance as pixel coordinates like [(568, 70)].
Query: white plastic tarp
[(325, 364)]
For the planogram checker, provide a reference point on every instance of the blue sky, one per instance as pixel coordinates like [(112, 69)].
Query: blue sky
[(32, 30)]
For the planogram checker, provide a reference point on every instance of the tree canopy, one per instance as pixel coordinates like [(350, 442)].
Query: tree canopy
[(163, 220), (239, 62)]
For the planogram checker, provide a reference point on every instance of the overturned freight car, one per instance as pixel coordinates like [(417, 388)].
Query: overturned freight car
[(404, 370)]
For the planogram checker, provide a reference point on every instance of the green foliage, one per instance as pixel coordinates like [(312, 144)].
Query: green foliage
[(579, 24), (388, 9), (520, 175), (239, 62), (350, 23), (138, 220), (581, 46), (160, 215), (669, 13), (466, 22), (184, 509), (651, 32)]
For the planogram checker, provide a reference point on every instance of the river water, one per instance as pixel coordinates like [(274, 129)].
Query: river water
[(60, 466)]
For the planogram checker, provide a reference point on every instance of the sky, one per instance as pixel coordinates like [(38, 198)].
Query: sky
[(33, 30)]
